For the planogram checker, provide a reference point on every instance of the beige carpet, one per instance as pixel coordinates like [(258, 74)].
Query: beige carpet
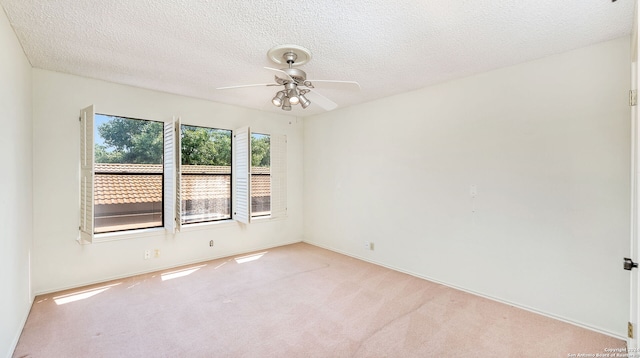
[(292, 301)]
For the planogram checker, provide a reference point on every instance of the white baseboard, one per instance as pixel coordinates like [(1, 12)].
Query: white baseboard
[(240, 252), (162, 268), (496, 299)]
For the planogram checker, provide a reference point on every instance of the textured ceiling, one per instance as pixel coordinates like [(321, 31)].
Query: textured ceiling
[(190, 47)]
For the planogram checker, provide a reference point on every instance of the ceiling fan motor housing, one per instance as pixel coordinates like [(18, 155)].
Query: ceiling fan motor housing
[(298, 75)]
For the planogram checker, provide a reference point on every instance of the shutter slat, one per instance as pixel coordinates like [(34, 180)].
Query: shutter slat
[(278, 154), (86, 175), (242, 175), (178, 173), (169, 177)]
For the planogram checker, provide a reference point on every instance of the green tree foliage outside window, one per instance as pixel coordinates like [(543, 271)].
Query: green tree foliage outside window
[(131, 141), (136, 141), (260, 150), (205, 146)]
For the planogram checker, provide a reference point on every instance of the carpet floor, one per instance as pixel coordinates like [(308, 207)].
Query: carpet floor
[(292, 301)]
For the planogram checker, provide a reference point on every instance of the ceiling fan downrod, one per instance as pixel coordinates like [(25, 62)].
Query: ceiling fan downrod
[(291, 95)]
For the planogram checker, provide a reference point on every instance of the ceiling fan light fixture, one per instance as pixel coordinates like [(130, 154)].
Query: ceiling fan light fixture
[(304, 102), (292, 92), (286, 105), (278, 99), (293, 97)]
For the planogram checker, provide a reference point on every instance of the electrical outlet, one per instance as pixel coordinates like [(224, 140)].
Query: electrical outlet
[(157, 253), (147, 254), (368, 245), (211, 243)]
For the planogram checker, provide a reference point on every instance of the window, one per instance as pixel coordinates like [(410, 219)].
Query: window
[(128, 173), (138, 174), (125, 170), (205, 174), (260, 175)]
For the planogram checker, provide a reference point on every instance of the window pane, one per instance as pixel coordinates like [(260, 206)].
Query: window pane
[(126, 202), (260, 175), (128, 174), (205, 182)]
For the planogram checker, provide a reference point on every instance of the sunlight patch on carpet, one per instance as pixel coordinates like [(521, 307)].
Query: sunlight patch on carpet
[(180, 273), (81, 295), (248, 258)]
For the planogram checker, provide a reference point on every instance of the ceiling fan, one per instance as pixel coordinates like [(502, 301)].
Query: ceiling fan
[(294, 80)]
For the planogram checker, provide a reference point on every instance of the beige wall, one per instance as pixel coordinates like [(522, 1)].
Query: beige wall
[(546, 143), (15, 191), (59, 261)]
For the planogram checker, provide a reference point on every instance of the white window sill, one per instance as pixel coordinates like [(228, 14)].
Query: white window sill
[(135, 234), (207, 225), (257, 219), (221, 223), (267, 219), (129, 234)]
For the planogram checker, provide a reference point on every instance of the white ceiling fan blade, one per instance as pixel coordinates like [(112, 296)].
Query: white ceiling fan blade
[(322, 101), (280, 72), (353, 84), (242, 86)]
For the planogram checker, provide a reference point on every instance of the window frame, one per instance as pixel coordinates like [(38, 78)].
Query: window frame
[(180, 173), (162, 221), (86, 205), (162, 175), (261, 216), (171, 222)]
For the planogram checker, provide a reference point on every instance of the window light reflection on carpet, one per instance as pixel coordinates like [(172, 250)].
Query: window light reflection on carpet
[(252, 257), (81, 295), (180, 273)]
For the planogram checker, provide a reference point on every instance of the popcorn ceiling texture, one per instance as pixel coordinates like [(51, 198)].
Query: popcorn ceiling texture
[(191, 47)]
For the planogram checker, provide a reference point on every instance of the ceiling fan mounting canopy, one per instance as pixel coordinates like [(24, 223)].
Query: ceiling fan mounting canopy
[(291, 55), (282, 54)]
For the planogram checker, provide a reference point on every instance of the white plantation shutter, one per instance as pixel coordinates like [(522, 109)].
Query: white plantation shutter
[(169, 177), (278, 175), (86, 175), (242, 175), (178, 172)]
